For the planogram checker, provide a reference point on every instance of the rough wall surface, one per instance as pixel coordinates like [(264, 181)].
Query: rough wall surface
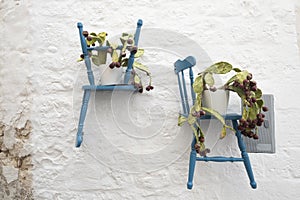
[(132, 147)]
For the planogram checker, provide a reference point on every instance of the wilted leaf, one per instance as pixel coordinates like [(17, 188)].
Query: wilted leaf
[(137, 79), (141, 67), (260, 103), (80, 59), (236, 70), (223, 132), (124, 62), (198, 84), (258, 93), (139, 53), (209, 79), (191, 120), (219, 68), (239, 91), (241, 76), (216, 114), (181, 120)]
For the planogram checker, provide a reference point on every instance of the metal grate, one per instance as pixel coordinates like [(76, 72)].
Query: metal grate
[(266, 141)]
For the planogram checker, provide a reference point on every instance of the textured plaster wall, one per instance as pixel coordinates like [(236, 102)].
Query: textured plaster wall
[(132, 147)]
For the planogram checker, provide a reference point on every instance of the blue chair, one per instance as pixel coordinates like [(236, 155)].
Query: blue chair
[(92, 87), (180, 67)]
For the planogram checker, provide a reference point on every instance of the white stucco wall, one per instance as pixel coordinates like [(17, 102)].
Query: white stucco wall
[(145, 157)]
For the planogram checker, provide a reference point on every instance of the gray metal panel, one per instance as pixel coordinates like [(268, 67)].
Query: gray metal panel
[(266, 141)]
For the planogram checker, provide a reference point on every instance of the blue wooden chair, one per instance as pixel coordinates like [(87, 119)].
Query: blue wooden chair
[(92, 87), (180, 67)]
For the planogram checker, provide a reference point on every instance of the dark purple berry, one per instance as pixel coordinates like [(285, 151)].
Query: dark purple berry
[(249, 76), (201, 139), (202, 112), (93, 44), (85, 33), (148, 89), (245, 82), (265, 108), (134, 50), (123, 54), (141, 90), (89, 38), (255, 137), (130, 41), (117, 64), (82, 56), (112, 65), (151, 87), (213, 88), (253, 88)]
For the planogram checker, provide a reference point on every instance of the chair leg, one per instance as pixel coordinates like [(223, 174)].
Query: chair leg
[(84, 107), (192, 164), (244, 155)]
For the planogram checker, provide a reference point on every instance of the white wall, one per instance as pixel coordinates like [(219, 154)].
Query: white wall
[(147, 156)]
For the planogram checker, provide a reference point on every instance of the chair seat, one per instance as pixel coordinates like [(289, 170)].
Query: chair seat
[(229, 116), (122, 87)]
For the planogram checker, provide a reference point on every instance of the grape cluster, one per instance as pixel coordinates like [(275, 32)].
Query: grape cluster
[(247, 126)]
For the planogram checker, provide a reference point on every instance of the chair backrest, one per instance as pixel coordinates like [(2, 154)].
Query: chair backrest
[(180, 67), (86, 49)]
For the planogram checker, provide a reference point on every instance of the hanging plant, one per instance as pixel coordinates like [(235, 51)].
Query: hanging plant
[(118, 55), (241, 83)]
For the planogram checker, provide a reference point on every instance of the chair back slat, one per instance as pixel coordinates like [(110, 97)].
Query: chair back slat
[(186, 99), (181, 94), (180, 66)]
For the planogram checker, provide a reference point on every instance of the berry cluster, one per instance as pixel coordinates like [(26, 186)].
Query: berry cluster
[(249, 123)]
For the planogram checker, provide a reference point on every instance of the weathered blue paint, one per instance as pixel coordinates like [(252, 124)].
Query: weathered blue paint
[(131, 57), (92, 87), (188, 63)]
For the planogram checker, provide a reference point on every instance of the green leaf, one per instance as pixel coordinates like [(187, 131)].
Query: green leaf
[(223, 132), (260, 103), (216, 114), (198, 84), (80, 59), (114, 56), (137, 79), (258, 94), (139, 53), (236, 70), (181, 120), (245, 113), (124, 62), (239, 91), (230, 80), (141, 67), (191, 119), (219, 68), (209, 79), (241, 76), (252, 112)]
